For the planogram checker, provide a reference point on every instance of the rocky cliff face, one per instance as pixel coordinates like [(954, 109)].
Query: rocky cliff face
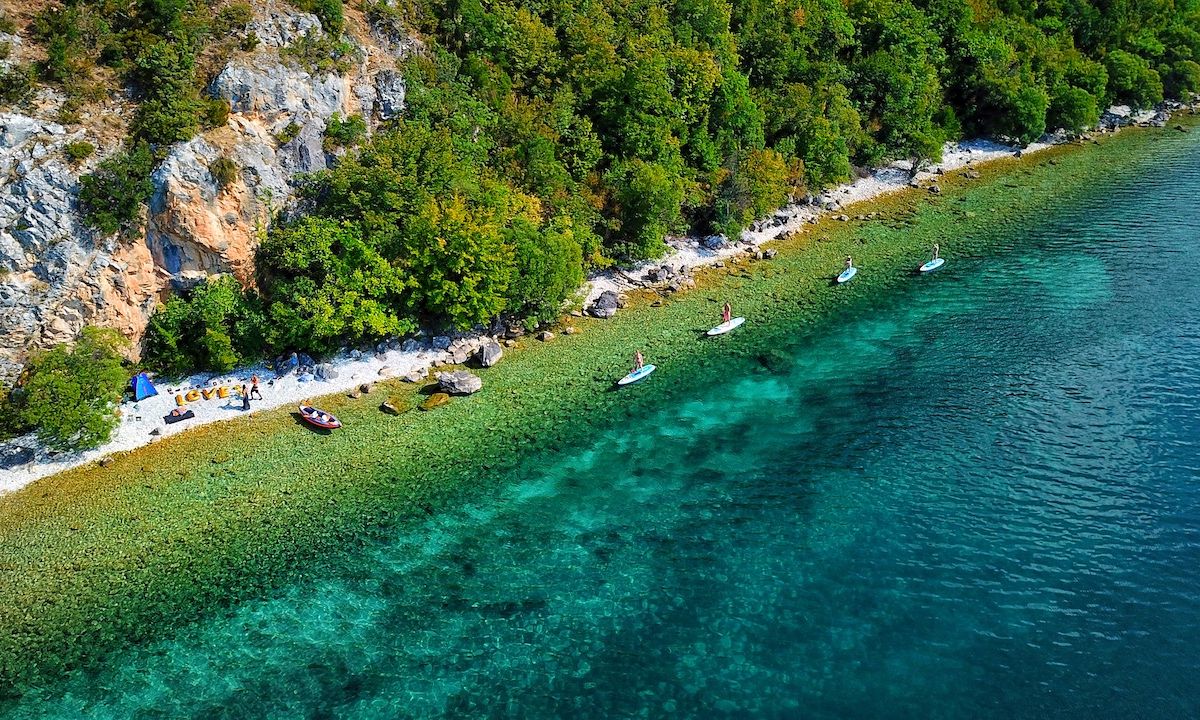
[(56, 275)]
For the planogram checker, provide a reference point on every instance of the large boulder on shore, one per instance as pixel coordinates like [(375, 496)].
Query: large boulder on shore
[(489, 353), (606, 305), (459, 382)]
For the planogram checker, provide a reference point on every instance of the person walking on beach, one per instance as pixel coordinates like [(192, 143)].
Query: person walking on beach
[(254, 391), (726, 312), (638, 361), (245, 397)]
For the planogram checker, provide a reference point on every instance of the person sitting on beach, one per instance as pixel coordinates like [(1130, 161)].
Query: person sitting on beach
[(726, 312), (638, 361), (254, 391)]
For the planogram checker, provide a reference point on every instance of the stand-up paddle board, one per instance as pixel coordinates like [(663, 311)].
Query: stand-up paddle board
[(727, 326), (847, 275), (636, 375), (933, 265)]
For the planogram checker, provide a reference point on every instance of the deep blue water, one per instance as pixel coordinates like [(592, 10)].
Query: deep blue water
[(976, 498)]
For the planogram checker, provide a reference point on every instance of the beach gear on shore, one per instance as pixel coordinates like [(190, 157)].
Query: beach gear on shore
[(727, 326), (142, 387), (319, 418), (637, 375), (172, 419), (847, 275), (932, 265)]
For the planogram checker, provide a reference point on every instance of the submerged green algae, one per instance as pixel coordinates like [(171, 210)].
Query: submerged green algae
[(99, 557)]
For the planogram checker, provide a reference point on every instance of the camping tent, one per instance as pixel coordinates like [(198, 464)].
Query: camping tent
[(142, 387)]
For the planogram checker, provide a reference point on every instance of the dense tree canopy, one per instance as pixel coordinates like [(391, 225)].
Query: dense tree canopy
[(545, 137)]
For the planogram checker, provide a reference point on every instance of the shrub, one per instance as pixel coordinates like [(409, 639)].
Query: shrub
[(224, 171), (78, 150), (232, 18), (329, 12), (16, 84), (111, 197), (215, 326), (320, 54), (7, 26), (69, 394), (171, 105), (216, 112), (288, 134), (344, 133)]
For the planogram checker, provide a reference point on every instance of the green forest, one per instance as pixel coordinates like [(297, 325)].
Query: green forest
[(546, 138)]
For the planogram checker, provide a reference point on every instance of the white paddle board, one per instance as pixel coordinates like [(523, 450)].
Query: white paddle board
[(727, 326), (636, 375), (847, 275), (933, 265)]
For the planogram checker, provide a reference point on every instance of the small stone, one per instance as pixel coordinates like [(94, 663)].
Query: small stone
[(545, 336), (435, 400), (365, 388), (415, 376), (489, 353), (570, 330), (395, 405)]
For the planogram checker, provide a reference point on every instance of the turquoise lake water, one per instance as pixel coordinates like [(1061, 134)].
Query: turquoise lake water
[(976, 498)]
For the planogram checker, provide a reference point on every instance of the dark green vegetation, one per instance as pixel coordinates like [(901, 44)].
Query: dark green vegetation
[(544, 139), (232, 511), (69, 394)]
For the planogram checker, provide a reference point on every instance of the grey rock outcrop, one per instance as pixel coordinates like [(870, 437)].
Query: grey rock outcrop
[(459, 382)]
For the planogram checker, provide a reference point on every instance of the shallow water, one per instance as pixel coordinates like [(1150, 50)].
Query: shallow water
[(976, 497)]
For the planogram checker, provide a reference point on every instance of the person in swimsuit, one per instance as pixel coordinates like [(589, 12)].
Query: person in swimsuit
[(726, 313), (254, 391), (638, 361), (245, 397), (849, 262), (937, 249)]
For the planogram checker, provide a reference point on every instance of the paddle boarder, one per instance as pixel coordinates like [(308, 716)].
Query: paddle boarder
[(638, 361), (849, 262), (936, 250), (726, 313)]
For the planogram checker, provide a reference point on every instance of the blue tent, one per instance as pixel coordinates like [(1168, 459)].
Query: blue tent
[(142, 387)]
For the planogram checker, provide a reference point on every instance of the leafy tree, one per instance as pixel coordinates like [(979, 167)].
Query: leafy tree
[(1184, 78), (69, 394), (1073, 109), (214, 326), (647, 198), (327, 286), (1132, 80), (548, 266)]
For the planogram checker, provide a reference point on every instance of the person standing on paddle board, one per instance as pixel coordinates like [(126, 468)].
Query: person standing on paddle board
[(849, 262), (638, 361), (726, 312), (937, 249)]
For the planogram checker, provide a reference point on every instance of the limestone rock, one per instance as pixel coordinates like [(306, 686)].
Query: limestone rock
[(606, 305), (395, 405), (325, 371), (489, 353), (545, 336), (459, 382), (435, 400)]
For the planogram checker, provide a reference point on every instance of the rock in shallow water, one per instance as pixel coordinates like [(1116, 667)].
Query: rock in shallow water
[(435, 400), (459, 382)]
